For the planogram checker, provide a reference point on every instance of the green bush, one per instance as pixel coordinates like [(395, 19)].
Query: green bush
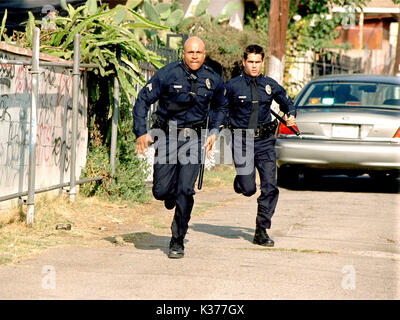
[(128, 182)]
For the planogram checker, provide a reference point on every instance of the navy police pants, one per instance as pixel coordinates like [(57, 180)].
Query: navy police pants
[(264, 160), (177, 164)]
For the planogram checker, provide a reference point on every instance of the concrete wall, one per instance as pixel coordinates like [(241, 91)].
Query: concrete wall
[(54, 123)]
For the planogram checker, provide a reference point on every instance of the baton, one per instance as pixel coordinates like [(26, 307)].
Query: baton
[(297, 133), (204, 152)]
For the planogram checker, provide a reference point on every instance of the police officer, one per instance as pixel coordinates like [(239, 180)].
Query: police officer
[(184, 90), (250, 96)]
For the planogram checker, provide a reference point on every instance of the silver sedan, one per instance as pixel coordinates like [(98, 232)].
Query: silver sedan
[(349, 124)]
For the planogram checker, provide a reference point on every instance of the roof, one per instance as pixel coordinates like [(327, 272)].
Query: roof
[(375, 7), (359, 77), (381, 4)]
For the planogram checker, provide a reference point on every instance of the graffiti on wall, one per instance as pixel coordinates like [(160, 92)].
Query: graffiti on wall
[(54, 123)]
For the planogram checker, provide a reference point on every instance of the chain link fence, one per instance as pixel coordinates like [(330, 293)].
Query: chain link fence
[(313, 65)]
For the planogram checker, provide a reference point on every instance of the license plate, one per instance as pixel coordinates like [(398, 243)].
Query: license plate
[(345, 131)]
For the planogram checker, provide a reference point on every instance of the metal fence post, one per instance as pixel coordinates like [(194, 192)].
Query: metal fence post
[(75, 102), (114, 126), (32, 134), (115, 119)]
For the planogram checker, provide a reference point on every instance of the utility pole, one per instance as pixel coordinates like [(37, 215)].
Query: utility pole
[(396, 69), (278, 23)]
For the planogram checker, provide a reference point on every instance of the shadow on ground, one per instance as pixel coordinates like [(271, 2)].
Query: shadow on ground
[(342, 183), (149, 241), (142, 241), (228, 232)]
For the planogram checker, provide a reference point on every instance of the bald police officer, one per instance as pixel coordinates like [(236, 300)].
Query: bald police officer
[(250, 96), (184, 90)]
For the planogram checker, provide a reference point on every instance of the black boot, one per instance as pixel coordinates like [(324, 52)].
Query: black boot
[(261, 238), (176, 248), (170, 203)]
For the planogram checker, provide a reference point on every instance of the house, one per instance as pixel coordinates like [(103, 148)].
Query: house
[(372, 32)]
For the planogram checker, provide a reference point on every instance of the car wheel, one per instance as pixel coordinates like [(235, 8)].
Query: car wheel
[(394, 174), (380, 175), (288, 177), (311, 177)]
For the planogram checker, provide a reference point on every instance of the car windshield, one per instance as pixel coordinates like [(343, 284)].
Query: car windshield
[(365, 94)]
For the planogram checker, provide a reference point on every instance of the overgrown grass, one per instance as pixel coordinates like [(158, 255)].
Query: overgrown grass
[(128, 182), (219, 176), (91, 220)]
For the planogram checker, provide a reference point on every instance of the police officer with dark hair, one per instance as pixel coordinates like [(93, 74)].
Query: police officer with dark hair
[(184, 90), (250, 96)]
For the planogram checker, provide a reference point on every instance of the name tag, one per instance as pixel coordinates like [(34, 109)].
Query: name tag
[(242, 97), (176, 86)]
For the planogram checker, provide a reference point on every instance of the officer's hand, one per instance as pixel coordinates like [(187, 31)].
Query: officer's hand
[(291, 121), (209, 144), (142, 144)]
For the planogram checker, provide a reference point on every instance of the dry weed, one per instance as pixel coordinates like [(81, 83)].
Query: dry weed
[(93, 221)]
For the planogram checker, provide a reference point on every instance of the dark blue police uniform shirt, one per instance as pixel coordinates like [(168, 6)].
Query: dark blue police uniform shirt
[(171, 84), (238, 92)]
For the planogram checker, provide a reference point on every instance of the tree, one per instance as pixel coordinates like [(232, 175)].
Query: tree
[(309, 27), (396, 69), (279, 14)]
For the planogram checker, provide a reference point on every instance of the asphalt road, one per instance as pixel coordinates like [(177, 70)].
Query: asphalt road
[(338, 239)]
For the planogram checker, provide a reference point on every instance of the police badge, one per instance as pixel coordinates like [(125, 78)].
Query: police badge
[(208, 84), (268, 89)]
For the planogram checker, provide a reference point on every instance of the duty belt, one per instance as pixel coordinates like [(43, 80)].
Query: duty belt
[(263, 131), (186, 130)]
